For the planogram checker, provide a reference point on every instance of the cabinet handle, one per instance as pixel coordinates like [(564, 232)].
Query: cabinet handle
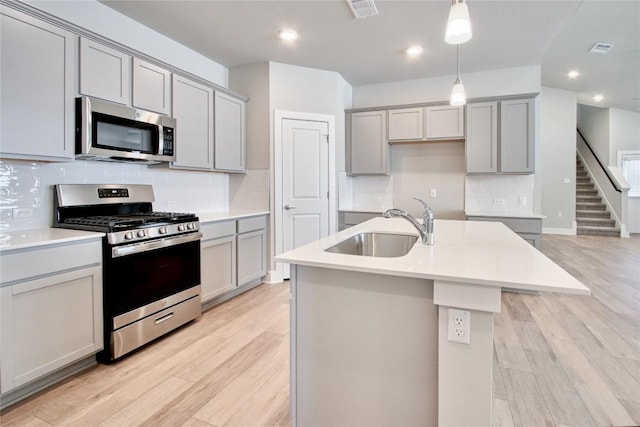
[(163, 318), (289, 207)]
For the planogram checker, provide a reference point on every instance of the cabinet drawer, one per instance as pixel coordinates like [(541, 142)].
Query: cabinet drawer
[(24, 264), (249, 224), (519, 225), (217, 229)]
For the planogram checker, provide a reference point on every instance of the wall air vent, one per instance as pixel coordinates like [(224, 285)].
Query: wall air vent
[(601, 48), (363, 8)]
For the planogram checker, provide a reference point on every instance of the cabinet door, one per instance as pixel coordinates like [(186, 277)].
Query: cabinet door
[(481, 145), (516, 136), (193, 110), (48, 323), (104, 72), (37, 63), (406, 124), (218, 266), (444, 122), (151, 87), (368, 149), (252, 257), (230, 133)]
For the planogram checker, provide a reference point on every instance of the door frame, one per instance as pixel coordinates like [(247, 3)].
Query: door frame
[(276, 200)]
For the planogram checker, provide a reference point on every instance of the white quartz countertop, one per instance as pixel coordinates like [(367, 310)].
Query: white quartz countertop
[(216, 216), (473, 252), (530, 215), (25, 239)]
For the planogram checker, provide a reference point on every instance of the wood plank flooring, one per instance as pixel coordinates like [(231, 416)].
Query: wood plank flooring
[(559, 360)]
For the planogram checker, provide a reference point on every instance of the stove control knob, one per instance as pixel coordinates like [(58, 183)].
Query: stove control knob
[(128, 235), (181, 227), (141, 233), (190, 226), (162, 230)]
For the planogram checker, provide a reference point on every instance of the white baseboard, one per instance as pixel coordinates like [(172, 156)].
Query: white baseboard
[(551, 230), (273, 277)]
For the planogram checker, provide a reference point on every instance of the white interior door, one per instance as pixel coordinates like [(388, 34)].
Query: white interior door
[(305, 183)]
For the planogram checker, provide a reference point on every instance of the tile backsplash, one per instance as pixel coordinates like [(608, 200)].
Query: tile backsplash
[(499, 193), (30, 185)]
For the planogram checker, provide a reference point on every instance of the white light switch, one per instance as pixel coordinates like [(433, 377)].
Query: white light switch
[(567, 180)]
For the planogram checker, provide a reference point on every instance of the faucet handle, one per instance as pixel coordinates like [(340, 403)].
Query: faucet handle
[(426, 206)]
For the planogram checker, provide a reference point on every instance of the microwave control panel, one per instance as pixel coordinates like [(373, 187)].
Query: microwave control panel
[(167, 141)]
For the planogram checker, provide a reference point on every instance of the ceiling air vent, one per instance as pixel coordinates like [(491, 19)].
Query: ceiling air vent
[(363, 8), (601, 48)]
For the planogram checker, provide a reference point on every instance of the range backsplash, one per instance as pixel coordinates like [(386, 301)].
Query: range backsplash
[(30, 185)]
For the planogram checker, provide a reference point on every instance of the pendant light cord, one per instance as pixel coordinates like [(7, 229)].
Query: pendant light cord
[(458, 62)]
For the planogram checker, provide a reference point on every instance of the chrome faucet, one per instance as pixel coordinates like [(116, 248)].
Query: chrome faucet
[(425, 229)]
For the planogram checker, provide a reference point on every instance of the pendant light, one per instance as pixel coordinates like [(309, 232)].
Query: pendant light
[(458, 97), (459, 23)]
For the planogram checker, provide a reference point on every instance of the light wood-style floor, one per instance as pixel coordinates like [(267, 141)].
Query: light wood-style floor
[(559, 360)]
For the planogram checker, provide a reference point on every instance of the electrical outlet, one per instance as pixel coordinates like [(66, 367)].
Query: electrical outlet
[(171, 204), (497, 201), (433, 193), (459, 326), (567, 180), (22, 213), (522, 201), (377, 198)]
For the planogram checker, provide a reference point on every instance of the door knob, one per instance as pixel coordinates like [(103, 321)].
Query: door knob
[(289, 207)]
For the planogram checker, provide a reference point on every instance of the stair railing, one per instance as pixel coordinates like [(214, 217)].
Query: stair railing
[(613, 182)]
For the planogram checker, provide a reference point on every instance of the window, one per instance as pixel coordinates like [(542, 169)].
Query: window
[(629, 163)]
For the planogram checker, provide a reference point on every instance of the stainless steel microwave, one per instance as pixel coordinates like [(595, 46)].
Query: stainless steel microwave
[(113, 132)]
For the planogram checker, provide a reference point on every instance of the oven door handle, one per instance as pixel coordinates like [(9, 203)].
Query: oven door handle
[(136, 248)]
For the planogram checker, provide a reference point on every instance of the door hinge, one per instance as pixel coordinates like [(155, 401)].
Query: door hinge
[(327, 137), (327, 195)]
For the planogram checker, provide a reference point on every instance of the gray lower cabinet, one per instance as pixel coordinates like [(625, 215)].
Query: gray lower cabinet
[(38, 67), (367, 149), (50, 311), (252, 250), (530, 229), (233, 254), (218, 259)]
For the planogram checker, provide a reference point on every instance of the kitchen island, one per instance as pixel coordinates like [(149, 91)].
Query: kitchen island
[(370, 335)]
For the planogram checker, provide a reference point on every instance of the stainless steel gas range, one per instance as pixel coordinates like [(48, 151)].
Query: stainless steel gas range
[(151, 260)]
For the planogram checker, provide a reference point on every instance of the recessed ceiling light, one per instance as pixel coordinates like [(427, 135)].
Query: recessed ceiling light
[(288, 34), (414, 51), (573, 74), (598, 97)]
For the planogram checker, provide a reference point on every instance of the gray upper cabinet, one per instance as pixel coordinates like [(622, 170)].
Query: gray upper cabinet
[(151, 87), (406, 124), (500, 137), (482, 137), (193, 110), (104, 72), (516, 136), (444, 122), (367, 146), (230, 140), (37, 63)]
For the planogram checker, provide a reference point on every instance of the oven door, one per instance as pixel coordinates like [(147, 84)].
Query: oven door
[(139, 274)]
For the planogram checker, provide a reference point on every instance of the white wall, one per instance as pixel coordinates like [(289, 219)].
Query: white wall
[(100, 19), (624, 133), (593, 122), (502, 82), (558, 158)]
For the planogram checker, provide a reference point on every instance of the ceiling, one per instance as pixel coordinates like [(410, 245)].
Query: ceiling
[(557, 34)]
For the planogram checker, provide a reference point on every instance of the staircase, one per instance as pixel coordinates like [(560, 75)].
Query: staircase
[(591, 213)]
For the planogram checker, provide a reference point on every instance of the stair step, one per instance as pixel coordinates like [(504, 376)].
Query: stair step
[(598, 231), (583, 179), (592, 214), (596, 222), (584, 186), (590, 207), (583, 192), (588, 199)]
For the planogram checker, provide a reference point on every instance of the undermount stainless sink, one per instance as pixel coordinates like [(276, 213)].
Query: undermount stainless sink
[(386, 245)]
